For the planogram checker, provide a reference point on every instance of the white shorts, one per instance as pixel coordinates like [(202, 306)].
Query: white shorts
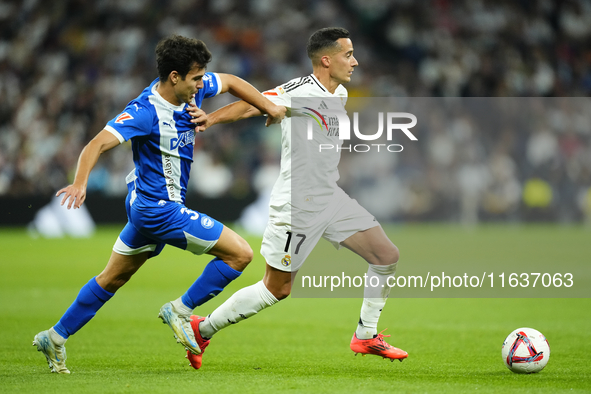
[(291, 233)]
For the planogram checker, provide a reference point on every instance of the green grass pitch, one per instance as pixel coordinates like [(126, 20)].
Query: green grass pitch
[(302, 344)]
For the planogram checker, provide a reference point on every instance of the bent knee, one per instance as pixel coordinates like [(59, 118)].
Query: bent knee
[(395, 254), (387, 256), (246, 256), (242, 257)]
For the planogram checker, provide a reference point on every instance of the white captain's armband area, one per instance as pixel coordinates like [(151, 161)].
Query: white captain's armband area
[(207, 79), (115, 133), (218, 81)]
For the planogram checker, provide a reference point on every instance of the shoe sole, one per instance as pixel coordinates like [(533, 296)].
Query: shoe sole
[(384, 357)]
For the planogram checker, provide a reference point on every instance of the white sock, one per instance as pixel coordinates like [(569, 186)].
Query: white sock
[(181, 307), (56, 338), (374, 300), (241, 305)]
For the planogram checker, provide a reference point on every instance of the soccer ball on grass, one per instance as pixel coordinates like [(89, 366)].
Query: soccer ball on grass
[(525, 350)]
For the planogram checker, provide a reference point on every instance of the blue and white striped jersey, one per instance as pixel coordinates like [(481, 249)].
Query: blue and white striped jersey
[(162, 138)]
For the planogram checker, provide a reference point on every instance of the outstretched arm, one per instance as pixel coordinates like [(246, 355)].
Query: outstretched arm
[(230, 113), (245, 91), (76, 192)]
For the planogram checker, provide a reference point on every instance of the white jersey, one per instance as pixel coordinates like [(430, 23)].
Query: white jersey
[(315, 172)]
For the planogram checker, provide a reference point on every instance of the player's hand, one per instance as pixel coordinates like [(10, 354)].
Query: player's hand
[(76, 194), (199, 117), (276, 115)]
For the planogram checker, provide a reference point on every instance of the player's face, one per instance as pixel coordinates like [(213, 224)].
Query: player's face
[(186, 88), (343, 62)]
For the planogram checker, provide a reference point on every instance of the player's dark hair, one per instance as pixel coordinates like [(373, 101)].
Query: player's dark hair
[(324, 39), (178, 53)]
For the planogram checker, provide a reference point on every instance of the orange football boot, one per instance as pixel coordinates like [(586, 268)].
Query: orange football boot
[(195, 359), (376, 346)]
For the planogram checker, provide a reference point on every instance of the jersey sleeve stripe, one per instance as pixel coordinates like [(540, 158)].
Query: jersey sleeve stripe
[(290, 84), (219, 82), (115, 133), (303, 81)]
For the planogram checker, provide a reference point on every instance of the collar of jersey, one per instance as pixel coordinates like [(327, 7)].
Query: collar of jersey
[(320, 83), (166, 102)]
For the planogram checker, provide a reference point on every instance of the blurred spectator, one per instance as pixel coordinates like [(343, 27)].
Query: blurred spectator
[(67, 67), (56, 221)]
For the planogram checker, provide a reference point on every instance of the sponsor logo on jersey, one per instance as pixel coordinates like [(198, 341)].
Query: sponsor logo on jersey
[(184, 139), (207, 222), (161, 203), (123, 117), (317, 117), (168, 173), (286, 261)]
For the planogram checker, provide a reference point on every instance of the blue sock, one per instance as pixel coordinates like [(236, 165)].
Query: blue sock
[(212, 281), (87, 303)]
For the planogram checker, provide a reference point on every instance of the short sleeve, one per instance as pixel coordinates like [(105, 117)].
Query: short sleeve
[(134, 121), (212, 85)]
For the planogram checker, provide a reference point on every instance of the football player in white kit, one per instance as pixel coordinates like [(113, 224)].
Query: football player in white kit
[(321, 206)]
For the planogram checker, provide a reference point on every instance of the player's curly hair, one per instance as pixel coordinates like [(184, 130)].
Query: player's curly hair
[(324, 39), (178, 53)]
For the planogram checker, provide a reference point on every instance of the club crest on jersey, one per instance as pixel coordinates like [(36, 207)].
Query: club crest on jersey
[(286, 261), (123, 117)]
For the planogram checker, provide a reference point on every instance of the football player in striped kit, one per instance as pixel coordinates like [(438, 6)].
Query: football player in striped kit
[(307, 204), (162, 138)]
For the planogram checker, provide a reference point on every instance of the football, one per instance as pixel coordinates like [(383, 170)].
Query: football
[(525, 350)]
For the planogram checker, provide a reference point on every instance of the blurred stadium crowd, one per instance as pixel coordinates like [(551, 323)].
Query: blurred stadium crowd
[(67, 67)]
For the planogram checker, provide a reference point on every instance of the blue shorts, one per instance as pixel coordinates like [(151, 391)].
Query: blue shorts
[(152, 224)]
